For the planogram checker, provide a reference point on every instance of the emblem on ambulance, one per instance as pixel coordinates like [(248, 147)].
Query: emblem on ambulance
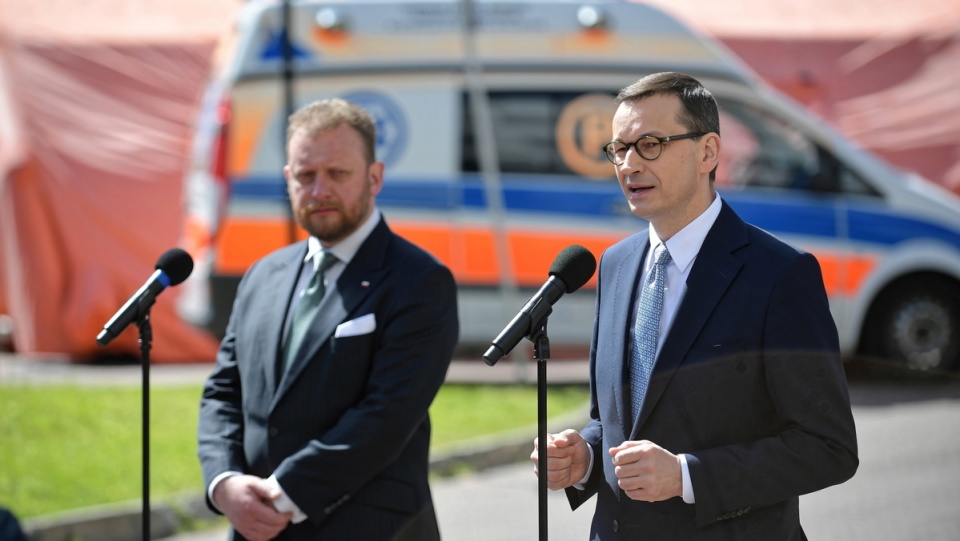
[(391, 125), (583, 127)]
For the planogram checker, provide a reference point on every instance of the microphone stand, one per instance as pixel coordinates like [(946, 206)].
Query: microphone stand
[(541, 352), (146, 337)]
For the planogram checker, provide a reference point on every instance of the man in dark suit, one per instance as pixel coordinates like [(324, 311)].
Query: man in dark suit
[(314, 424), (718, 392)]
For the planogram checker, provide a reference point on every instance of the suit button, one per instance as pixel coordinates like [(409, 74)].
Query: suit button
[(616, 526), (273, 432)]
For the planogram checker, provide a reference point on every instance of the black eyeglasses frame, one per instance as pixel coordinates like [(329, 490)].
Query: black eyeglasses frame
[(661, 140)]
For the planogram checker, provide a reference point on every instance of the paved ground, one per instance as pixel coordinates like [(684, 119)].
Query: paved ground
[(907, 487)]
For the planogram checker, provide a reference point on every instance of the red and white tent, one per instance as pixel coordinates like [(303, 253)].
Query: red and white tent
[(97, 101)]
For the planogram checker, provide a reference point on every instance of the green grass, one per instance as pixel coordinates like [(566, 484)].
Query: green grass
[(65, 447)]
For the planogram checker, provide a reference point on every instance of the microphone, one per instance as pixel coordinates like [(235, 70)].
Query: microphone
[(173, 267), (570, 270)]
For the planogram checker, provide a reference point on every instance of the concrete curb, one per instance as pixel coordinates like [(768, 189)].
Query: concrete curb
[(119, 522)]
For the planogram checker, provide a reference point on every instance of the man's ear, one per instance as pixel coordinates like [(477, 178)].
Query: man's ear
[(710, 153), (375, 175)]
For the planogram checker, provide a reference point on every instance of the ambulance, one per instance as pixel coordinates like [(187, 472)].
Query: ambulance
[(491, 115)]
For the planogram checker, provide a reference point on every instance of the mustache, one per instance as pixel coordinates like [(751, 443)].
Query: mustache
[(313, 206)]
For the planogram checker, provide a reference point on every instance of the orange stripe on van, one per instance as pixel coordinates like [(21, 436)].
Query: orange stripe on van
[(471, 252), (858, 269), (242, 242), (844, 275)]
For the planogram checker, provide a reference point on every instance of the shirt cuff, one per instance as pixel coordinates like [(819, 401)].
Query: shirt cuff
[(685, 478), (579, 485), (216, 481), (284, 504)]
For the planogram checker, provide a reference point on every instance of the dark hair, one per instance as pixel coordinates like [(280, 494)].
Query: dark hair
[(698, 109), (328, 114)]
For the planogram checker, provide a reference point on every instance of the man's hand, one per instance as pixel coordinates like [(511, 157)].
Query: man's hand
[(568, 458), (647, 472), (246, 501)]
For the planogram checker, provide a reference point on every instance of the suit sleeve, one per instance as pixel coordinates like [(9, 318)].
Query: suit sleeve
[(220, 426), (593, 431), (814, 444)]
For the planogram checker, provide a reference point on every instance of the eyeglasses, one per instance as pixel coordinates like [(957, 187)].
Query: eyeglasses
[(648, 147)]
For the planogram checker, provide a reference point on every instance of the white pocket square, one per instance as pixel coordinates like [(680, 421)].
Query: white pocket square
[(355, 327)]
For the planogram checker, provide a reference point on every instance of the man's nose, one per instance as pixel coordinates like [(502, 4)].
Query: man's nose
[(320, 186), (632, 161)]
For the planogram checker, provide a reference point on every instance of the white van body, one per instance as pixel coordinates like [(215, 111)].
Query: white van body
[(491, 126)]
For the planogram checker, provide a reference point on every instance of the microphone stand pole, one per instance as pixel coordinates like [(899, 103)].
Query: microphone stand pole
[(541, 352), (146, 337)]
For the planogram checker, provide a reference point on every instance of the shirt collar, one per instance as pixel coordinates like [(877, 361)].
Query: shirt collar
[(348, 247), (686, 243)]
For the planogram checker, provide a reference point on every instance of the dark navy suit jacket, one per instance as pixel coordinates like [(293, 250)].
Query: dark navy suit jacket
[(749, 381), (345, 429)]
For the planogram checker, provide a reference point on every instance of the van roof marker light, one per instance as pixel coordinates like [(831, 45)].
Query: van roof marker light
[(591, 18), (330, 19)]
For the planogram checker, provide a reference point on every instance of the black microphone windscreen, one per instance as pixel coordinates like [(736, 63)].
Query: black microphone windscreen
[(176, 264), (574, 265)]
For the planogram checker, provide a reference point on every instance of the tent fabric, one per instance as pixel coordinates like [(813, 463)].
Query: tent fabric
[(882, 72), (858, 20), (97, 108), (98, 98), (900, 102)]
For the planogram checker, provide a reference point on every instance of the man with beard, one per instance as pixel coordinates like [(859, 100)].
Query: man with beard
[(313, 424)]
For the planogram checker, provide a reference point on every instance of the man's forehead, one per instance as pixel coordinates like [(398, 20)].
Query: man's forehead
[(657, 112)]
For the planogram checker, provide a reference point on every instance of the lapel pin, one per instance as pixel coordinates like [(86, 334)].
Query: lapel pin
[(364, 284)]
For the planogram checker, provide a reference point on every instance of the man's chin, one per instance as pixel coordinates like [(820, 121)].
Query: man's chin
[(325, 229)]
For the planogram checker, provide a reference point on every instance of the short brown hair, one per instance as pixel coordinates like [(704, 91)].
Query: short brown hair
[(328, 114), (698, 111)]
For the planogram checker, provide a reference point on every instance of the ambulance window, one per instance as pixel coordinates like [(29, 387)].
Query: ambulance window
[(762, 151), (551, 133)]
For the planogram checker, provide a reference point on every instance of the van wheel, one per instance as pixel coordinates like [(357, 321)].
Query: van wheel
[(916, 322)]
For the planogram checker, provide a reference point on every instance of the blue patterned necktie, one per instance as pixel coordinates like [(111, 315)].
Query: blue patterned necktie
[(647, 331), (307, 305)]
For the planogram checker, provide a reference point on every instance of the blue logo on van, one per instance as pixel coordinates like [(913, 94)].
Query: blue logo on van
[(273, 48), (391, 125)]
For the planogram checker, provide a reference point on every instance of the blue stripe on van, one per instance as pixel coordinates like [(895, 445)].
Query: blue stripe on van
[(791, 216), (816, 215), (779, 213), (882, 227)]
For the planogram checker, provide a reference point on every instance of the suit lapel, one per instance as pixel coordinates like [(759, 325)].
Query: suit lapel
[(330, 313), (283, 281), (628, 274), (363, 274), (711, 275)]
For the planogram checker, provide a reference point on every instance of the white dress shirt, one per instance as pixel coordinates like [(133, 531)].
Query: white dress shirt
[(684, 247)]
